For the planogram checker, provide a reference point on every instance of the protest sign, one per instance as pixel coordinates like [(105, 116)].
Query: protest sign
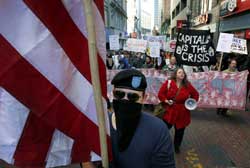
[(160, 39), (135, 45), (194, 47), (239, 46), (114, 42), (225, 42), (170, 45), (216, 89), (154, 48)]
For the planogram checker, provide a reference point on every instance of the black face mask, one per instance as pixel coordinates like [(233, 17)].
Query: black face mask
[(127, 115)]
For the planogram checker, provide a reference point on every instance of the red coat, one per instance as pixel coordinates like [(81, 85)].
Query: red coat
[(177, 114)]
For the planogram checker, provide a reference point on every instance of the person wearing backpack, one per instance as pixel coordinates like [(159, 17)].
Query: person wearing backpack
[(174, 93)]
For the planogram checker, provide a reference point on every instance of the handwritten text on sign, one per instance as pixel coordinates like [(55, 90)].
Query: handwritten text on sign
[(194, 47), (239, 46), (136, 45)]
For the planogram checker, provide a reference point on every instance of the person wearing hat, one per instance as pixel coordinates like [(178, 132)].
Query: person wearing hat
[(138, 139)]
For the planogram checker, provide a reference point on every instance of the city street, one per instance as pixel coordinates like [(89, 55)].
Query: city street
[(213, 141), (62, 62)]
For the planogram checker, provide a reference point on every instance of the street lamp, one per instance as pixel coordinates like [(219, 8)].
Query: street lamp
[(188, 14)]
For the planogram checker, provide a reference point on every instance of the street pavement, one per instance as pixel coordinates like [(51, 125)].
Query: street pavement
[(213, 141)]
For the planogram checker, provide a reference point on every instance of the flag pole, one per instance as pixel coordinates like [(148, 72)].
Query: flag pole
[(95, 79)]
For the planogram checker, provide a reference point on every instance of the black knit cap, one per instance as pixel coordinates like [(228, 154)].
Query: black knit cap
[(130, 79)]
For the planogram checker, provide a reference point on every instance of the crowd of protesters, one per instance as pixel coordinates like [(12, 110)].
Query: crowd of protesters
[(167, 62)]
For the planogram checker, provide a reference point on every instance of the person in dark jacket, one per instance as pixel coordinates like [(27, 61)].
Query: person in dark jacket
[(109, 62), (139, 140), (148, 63)]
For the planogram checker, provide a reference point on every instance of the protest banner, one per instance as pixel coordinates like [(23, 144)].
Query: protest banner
[(194, 47), (135, 45), (216, 89), (220, 89), (160, 39), (239, 46), (114, 42), (154, 48), (225, 42)]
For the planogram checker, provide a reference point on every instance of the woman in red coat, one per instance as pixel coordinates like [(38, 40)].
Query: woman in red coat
[(174, 96)]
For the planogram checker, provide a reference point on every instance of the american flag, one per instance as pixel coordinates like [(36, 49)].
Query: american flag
[(47, 110)]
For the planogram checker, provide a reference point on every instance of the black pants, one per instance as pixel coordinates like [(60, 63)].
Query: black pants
[(178, 135), (222, 111)]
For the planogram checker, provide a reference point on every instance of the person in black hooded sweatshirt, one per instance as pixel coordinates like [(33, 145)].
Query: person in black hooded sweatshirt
[(139, 140)]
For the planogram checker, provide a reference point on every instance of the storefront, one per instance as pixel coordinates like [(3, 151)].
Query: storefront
[(208, 21), (235, 19)]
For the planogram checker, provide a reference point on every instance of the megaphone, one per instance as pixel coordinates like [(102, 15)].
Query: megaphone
[(190, 104)]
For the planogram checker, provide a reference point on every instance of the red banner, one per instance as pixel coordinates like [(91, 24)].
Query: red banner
[(220, 89), (216, 89)]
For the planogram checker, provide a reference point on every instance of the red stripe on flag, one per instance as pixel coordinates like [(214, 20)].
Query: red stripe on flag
[(100, 6), (56, 18), (34, 143), (44, 100)]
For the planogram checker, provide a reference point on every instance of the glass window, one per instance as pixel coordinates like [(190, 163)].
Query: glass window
[(178, 9), (210, 5), (173, 14), (183, 4)]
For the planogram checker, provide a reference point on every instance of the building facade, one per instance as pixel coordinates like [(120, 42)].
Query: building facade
[(205, 16), (179, 10), (165, 18), (145, 22), (132, 19), (235, 19), (116, 20), (157, 13)]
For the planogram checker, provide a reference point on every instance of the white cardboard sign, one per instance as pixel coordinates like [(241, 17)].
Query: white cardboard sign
[(114, 42), (225, 42)]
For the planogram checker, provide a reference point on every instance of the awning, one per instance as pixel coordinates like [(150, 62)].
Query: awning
[(238, 22)]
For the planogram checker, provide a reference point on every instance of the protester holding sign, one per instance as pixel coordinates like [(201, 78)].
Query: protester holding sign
[(174, 93), (172, 66), (232, 68), (194, 47)]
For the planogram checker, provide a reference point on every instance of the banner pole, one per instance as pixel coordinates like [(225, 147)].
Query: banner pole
[(87, 4), (221, 57)]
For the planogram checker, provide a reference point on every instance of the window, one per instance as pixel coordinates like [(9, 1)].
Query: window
[(183, 4), (205, 6), (106, 17), (210, 3), (173, 14), (177, 9)]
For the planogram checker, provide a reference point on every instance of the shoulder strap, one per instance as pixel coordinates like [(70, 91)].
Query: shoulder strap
[(177, 93), (169, 82)]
